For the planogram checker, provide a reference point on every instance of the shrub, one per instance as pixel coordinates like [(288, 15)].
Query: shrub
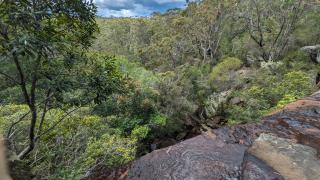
[(223, 76), (158, 120), (269, 91), (221, 70), (140, 132), (110, 150), (288, 98), (297, 83)]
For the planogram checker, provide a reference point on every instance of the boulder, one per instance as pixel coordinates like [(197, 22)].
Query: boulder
[(255, 169), (236, 101), (291, 160), (203, 157), (313, 51), (215, 102)]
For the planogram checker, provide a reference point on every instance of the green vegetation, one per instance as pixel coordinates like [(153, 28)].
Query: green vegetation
[(71, 103)]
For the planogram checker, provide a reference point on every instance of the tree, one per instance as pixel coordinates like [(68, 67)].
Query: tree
[(270, 24), (209, 20), (42, 40)]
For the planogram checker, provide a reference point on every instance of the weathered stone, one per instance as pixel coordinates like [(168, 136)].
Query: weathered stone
[(256, 169), (291, 160), (4, 175), (214, 103), (202, 157), (240, 134), (236, 101), (299, 121), (314, 52)]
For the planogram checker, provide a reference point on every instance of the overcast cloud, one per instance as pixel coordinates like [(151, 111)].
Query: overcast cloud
[(126, 8)]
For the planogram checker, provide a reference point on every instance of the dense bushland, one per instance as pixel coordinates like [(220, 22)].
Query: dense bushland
[(70, 103)]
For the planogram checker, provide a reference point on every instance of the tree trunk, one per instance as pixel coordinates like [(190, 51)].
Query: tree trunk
[(31, 145)]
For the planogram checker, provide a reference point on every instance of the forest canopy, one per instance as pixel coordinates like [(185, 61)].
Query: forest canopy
[(80, 92)]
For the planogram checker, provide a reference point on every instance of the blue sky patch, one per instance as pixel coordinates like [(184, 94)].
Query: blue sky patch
[(129, 8)]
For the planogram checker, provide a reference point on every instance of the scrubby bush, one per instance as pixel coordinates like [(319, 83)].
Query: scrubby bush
[(75, 145), (140, 132), (223, 76), (228, 64), (109, 150), (267, 92)]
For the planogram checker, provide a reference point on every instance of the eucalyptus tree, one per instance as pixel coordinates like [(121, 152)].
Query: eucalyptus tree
[(42, 41), (209, 20), (270, 24)]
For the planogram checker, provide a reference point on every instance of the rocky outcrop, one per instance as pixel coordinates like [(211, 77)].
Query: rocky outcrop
[(291, 160), (314, 52), (284, 145)]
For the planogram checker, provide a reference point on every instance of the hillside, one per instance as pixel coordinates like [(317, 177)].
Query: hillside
[(81, 94)]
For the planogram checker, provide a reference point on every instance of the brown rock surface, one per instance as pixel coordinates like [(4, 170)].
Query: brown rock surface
[(202, 157), (299, 121), (291, 160), (255, 169)]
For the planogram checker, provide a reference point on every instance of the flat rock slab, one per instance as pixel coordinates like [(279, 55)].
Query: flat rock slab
[(202, 157), (256, 169), (299, 121), (293, 161)]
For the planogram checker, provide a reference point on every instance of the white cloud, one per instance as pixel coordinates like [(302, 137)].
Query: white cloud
[(126, 8)]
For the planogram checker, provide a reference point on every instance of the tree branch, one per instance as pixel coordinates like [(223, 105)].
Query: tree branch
[(9, 77), (44, 111), (15, 123), (22, 79), (57, 123)]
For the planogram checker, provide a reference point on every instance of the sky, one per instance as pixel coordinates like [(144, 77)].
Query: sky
[(129, 8)]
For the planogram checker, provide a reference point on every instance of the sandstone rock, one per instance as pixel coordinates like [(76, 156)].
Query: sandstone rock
[(299, 121), (256, 169), (293, 161), (314, 52), (240, 134), (236, 101), (202, 157), (214, 103)]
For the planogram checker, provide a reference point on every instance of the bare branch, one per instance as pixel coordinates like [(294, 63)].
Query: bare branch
[(15, 123)]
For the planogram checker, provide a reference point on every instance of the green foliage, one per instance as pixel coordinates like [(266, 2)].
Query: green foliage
[(158, 120), (9, 114), (144, 79), (296, 83), (288, 98), (80, 141), (223, 75), (248, 113), (110, 150), (219, 72), (269, 91), (140, 132)]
